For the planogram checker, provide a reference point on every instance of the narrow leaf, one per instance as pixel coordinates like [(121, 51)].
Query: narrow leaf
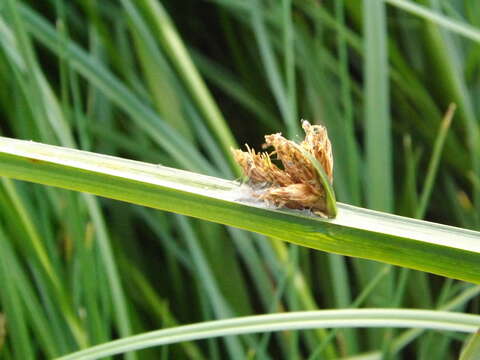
[(358, 232)]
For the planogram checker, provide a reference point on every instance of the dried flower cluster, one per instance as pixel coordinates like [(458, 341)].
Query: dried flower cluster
[(297, 185)]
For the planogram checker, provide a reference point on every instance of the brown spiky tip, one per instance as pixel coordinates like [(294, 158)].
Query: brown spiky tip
[(297, 185)]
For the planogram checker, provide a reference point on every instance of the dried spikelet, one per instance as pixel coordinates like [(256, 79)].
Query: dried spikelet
[(297, 186), (260, 169), (317, 143)]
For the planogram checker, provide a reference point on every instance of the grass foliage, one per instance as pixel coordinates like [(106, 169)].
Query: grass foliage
[(156, 81)]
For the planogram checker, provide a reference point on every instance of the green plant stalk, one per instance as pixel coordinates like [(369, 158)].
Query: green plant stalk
[(17, 328), (43, 259), (27, 61), (446, 60), (220, 306), (289, 66), (426, 319), (460, 28), (472, 348), (433, 164), (408, 336), (271, 67), (158, 306), (174, 47), (378, 175), (163, 134), (439, 249), (50, 107), (347, 102)]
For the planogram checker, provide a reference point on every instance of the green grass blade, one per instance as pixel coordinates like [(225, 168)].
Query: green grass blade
[(47, 335), (233, 87), (289, 63), (118, 295), (472, 348), (408, 336), (205, 276), (157, 73), (378, 169), (355, 231), (271, 67), (178, 53), (433, 164), (347, 104), (39, 252), (157, 306), (460, 28), (425, 319), (173, 143), (12, 305)]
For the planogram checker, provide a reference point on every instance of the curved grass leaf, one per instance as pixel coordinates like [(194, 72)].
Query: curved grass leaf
[(458, 27), (422, 319), (435, 248)]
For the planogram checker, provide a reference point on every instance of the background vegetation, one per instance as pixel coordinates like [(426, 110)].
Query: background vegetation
[(179, 83)]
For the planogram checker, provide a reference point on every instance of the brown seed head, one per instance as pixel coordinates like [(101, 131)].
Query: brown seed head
[(297, 186), (259, 168), (317, 143)]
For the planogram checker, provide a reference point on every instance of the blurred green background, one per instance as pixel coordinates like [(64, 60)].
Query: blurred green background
[(179, 83)]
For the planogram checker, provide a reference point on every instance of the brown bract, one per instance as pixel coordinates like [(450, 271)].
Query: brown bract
[(297, 185)]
